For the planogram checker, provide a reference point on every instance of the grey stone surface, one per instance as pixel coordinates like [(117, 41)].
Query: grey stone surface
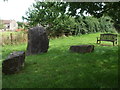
[(38, 41), (13, 63), (82, 48)]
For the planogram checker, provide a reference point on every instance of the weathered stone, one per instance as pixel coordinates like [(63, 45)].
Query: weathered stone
[(13, 63), (82, 48), (38, 41)]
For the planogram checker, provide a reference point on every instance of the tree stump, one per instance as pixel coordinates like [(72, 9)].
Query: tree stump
[(13, 63), (38, 41), (82, 48)]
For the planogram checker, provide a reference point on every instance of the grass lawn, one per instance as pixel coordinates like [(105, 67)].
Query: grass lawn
[(60, 68)]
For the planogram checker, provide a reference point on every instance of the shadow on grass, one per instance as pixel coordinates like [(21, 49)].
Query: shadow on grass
[(61, 68)]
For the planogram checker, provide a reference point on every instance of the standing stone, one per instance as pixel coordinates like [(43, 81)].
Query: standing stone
[(38, 41), (82, 48), (13, 63)]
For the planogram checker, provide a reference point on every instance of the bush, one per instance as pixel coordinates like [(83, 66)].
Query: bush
[(91, 24), (106, 25)]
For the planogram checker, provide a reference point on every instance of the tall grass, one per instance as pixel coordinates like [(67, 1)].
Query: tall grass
[(13, 38), (60, 68)]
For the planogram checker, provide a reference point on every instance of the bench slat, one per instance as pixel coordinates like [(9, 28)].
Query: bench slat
[(107, 37)]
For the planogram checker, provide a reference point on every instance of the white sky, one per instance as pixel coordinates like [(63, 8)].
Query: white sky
[(14, 9)]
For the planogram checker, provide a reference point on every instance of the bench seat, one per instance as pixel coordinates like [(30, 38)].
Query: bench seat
[(107, 37)]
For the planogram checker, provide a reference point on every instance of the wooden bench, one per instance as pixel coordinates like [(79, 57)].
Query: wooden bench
[(107, 37)]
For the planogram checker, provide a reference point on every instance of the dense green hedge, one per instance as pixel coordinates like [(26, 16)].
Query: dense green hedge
[(81, 25), (92, 25)]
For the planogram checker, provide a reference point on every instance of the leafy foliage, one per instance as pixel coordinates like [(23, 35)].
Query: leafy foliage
[(106, 24), (61, 18), (20, 24), (98, 9), (91, 25)]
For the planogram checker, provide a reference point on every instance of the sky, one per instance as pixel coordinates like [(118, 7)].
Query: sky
[(14, 9)]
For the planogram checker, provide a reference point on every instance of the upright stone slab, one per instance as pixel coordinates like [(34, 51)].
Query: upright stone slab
[(13, 63), (38, 41), (82, 48)]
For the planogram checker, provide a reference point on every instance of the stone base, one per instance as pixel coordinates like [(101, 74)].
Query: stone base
[(82, 48), (13, 63)]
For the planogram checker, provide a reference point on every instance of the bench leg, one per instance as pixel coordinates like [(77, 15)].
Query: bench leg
[(113, 44), (99, 41)]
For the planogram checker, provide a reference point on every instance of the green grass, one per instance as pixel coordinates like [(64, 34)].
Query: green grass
[(60, 68)]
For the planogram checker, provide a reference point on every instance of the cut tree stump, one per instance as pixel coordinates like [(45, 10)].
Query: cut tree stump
[(82, 48), (13, 63)]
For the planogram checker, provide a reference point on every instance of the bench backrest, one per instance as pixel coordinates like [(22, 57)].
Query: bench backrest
[(108, 37)]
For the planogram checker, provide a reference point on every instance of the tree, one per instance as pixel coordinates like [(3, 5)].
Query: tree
[(20, 24), (106, 24), (43, 12), (97, 9), (51, 14), (114, 12)]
